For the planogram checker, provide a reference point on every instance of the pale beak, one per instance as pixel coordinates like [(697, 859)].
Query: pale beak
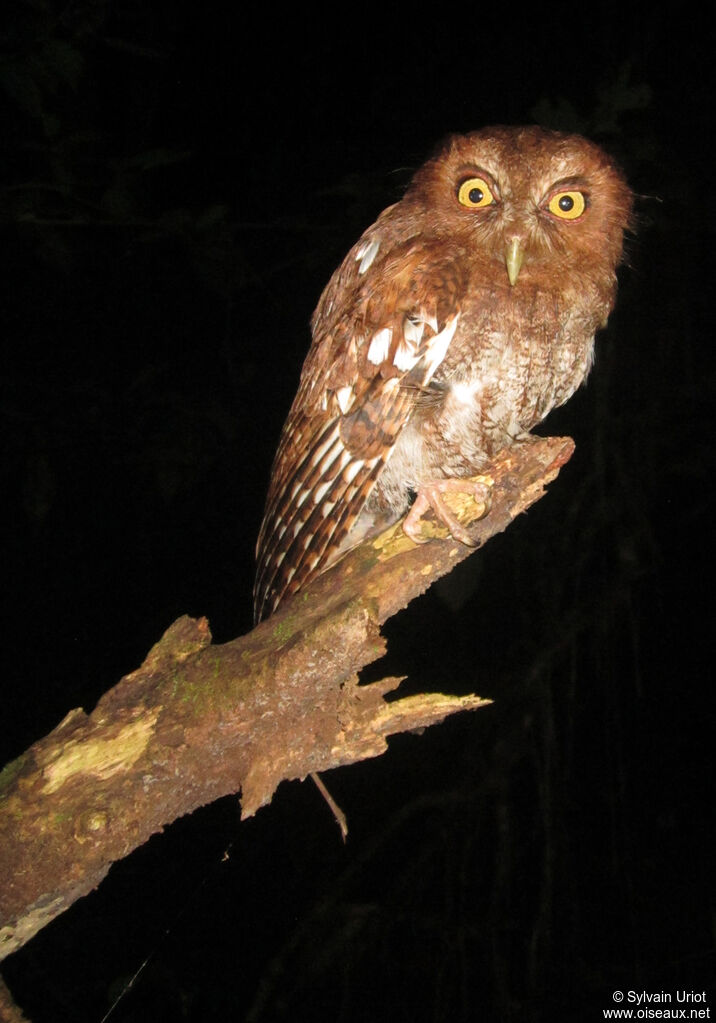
[(513, 258)]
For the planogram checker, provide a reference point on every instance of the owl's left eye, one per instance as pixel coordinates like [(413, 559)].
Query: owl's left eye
[(567, 205), (475, 193)]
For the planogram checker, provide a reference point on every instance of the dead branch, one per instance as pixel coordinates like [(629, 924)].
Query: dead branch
[(198, 721)]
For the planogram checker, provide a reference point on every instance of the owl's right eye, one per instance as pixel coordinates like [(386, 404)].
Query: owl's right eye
[(475, 193)]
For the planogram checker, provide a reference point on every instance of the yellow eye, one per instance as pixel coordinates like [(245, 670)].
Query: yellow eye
[(567, 205), (475, 193)]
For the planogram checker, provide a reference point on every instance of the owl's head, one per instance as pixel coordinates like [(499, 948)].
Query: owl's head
[(538, 201)]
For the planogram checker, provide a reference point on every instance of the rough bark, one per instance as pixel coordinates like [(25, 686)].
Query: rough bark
[(197, 721)]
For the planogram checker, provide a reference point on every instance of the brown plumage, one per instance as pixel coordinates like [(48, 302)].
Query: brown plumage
[(455, 324)]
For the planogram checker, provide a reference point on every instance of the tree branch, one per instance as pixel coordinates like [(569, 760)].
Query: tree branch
[(198, 721)]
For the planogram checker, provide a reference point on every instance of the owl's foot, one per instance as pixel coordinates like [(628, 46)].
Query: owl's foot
[(430, 497)]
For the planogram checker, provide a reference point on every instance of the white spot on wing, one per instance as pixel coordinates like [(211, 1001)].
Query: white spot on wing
[(414, 329), (438, 346), (343, 461), (366, 254), (323, 448), (379, 346), (329, 458), (429, 318), (352, 471), (405, 357), (344, 397)]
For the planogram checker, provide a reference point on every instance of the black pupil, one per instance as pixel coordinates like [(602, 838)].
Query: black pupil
[(566, 203), (476, 195)]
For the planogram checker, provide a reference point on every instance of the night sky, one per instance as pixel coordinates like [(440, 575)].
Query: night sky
[(177, 184)]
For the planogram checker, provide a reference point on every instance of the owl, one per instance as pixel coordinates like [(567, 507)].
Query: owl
[(458, 320)]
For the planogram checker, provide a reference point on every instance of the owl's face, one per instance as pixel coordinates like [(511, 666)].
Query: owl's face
[(531, 200)]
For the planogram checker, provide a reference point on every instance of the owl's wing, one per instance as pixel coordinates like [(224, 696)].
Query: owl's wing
[(381, 330)]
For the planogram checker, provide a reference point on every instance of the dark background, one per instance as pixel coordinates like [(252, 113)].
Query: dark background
[(177, 183)]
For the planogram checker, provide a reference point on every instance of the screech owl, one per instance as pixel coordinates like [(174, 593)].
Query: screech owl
[(460, 318)]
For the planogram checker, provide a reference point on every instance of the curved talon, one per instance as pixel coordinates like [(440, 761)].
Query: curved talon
[(411, 525), (430, 497)]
